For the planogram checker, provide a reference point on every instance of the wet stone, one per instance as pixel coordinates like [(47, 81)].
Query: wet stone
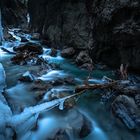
[(137, 99), (83, 58), (125, 108), (68, 52), (29, 47)]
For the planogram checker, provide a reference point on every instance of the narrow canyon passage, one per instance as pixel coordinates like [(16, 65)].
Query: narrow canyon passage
[(51, 85)]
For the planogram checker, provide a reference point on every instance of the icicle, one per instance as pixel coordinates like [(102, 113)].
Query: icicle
[(1, 29), (61, 106), (30, 111), (2, 78)]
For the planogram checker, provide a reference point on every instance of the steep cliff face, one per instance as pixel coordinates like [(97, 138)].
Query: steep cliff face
[(109, 29), (13, 12), (61, 21), (116, 32)]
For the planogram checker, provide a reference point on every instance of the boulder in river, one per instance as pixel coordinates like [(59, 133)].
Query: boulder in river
[(27, 54), (29, 47), (68, 52), (127, 111)]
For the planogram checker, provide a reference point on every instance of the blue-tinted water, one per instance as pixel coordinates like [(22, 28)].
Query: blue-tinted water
[(105, 126)]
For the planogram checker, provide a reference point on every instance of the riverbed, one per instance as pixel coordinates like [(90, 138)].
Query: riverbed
[(105, 125)]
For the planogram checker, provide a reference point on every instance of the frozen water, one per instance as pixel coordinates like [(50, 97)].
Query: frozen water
[(1, 29)]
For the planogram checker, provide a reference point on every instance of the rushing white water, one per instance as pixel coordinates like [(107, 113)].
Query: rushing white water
[(1, 29), (28, 18), (33, 119)]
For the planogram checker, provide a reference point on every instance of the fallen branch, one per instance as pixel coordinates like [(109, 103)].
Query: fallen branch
[(31, 111), (121, 86), (95, 86)]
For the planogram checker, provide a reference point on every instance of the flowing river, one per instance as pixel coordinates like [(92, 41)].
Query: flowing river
[(105, 125)]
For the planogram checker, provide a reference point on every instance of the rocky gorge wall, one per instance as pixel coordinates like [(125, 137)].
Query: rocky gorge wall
[(13, 13), (108, 29)]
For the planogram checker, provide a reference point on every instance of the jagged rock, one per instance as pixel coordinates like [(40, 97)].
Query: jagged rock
[(83, 58), (53, 52), (98, 26), (29, 47), (28, 54), (68, 52), (127, 111)]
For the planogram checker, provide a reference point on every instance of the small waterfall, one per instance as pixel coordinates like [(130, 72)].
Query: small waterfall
[(1, 29), (28, 18)]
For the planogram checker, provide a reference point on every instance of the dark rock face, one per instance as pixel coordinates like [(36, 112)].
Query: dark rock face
[(13, 12), (116, 32), (83, 58), (108, 29), (61, 21)]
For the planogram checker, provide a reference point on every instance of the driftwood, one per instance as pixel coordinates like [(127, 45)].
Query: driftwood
[(121, 86), (94, 86)]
